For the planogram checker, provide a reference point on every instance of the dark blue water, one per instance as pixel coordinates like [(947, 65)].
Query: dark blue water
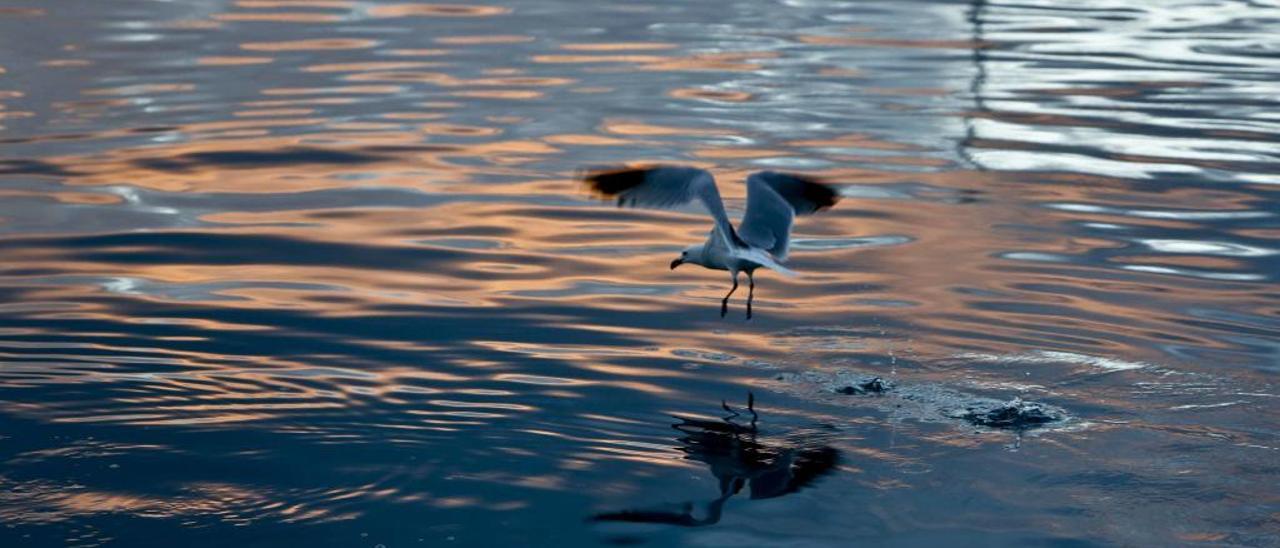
[(322, 273)]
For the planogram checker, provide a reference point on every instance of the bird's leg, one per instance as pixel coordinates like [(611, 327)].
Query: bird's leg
[(724, 303), (751, 291)]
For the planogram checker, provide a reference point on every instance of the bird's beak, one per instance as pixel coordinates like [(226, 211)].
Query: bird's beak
[(676, 263)]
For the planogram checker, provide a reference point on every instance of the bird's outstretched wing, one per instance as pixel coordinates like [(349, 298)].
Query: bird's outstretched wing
[(666, 187), (773, 201)]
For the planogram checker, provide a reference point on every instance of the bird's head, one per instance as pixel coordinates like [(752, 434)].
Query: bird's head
[(691, 254)]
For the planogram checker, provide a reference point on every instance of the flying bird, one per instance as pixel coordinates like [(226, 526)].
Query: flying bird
[(762, 237)]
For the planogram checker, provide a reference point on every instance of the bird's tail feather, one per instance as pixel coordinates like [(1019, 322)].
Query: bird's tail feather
[(763, 258)]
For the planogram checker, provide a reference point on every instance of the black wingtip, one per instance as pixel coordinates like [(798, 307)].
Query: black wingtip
[(616, 181), (816, 192), (805, 194), (822, 195)]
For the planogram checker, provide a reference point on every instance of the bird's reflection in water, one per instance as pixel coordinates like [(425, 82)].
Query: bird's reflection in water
[(737, 459)]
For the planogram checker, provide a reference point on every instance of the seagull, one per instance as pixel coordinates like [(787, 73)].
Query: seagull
[(764, 234)]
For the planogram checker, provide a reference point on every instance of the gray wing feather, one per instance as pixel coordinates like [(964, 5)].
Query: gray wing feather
[(773, 201), (665, 187)]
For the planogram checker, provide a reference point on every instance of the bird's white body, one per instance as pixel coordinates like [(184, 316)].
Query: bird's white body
[(713, 255)]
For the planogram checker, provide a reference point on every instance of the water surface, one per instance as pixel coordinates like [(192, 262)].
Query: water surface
[(321, 272)]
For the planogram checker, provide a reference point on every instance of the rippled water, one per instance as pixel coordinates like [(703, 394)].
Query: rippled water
[(320, 272)]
